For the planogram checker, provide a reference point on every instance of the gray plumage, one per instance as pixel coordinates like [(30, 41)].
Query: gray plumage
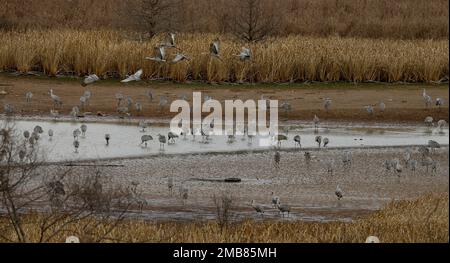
[(29, 96), (284, 209), (319, 140), (159, 54), (135, 77), (245, 54), (339, 193), (145, 139), (90, 79), (297, 140), (179, 57), (107, 138)]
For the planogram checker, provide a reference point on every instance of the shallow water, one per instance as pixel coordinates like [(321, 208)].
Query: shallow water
[(126, 139)]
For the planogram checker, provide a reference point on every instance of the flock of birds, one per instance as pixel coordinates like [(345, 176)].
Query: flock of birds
[(124, 104), (395, 165)]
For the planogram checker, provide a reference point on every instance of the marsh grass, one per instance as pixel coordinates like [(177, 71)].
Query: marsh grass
[(421, 220), (277, 60)]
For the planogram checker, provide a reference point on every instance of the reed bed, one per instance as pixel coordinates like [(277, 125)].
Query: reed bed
[(275, 60), (421, 220)]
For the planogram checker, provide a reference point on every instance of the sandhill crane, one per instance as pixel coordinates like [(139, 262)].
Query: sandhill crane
[(87, 94), (129, 101), (170, 184), (326, 141), (160, 54), (171, 137), (429, 121), (284, 209), (275, 200), (75, 112), (214, 49), (316, 122), (184, 193), (434, 167), (280, 138), (387, 165), (382, 106), (83, 130), (90, 79), (29, 96), (441, 125), (149, 95), (277, 159), (426, 98), (398, 168), (258, 208), (119, 98), (22, 154), (135, 77), (407, 157), (286, 106), (179, 57), (327, 104), (50, 134), (297, 140), (319, 140), (439, 102), (76, 144), (142, 125), (76, 133), (162, 102), (162, 141), (245, 54), (339, 192), (145, 139), (347, 159), (83, 101), (433, 145), (428, 161), (107, 138), (412, 164), (9, 109), (56, 100), (138, 107), (38, 129), (26, 134), (32, 140), (369, 109)]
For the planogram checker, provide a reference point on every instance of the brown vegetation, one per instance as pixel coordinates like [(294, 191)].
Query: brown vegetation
[(283, 59), (406, 19), (421, 220)]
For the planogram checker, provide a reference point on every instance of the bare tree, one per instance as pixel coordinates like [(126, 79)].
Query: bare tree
[(151, 16), (224, 205), (255, 19), (39, 202)]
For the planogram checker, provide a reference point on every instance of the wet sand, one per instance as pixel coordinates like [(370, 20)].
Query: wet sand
[(404, 102), (309, 189)]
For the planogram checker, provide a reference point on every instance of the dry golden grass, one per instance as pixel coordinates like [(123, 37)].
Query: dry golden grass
[(421, 220), (284, 59)]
